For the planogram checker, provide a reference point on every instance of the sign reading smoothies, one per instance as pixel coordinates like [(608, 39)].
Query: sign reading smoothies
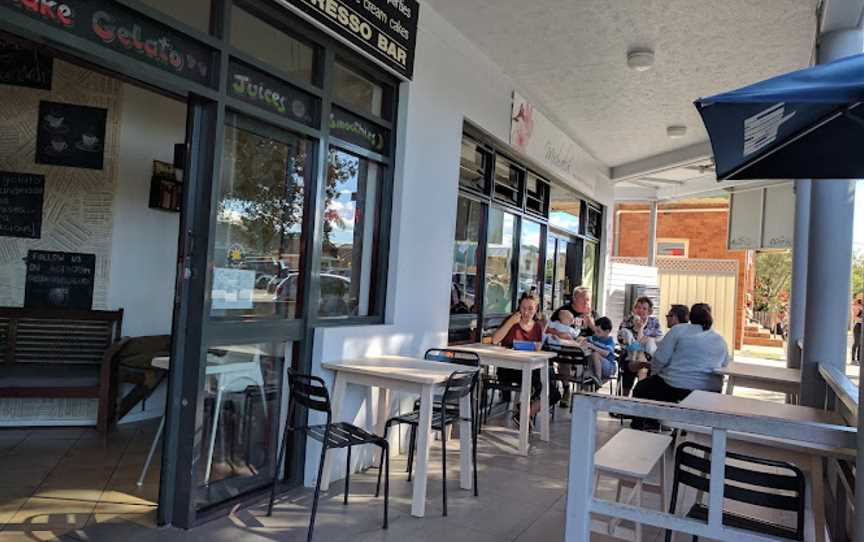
[(384, 29), (121, 29)]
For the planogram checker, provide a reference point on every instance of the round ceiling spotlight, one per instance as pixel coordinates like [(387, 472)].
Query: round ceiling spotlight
[(640, 59), (676, 131)]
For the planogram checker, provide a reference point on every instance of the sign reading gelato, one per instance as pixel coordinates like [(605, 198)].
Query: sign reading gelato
[(121, 29)]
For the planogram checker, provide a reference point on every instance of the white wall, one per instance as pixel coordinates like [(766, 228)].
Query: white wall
[(144, 241), (453, 81)]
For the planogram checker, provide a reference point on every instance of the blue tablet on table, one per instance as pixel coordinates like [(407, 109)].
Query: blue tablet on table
[(529, 346)]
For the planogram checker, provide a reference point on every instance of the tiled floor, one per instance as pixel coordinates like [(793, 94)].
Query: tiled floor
[(70, 486), (57, 481)]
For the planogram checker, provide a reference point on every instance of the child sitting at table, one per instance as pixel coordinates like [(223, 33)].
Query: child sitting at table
[(601, 345), (562, 328), (637, 361)]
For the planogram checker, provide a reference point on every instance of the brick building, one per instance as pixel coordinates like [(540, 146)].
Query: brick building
[(695, 229)]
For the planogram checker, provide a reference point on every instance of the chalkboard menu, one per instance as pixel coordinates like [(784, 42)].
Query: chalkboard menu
[(59, 280), (21, 197), (24, 66)]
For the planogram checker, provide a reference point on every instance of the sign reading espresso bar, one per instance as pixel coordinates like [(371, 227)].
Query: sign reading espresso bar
[(384, 29)]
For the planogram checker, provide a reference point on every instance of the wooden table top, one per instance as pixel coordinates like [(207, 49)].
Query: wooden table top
[(416, 370), (754, 371), (731, 404), (500, 352)]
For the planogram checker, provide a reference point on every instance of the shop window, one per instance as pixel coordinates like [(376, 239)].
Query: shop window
[(349, 250), (474, 162), (195, 13), (673, 248), (529, 258), (537, 195), (259, 222), (549, 276), (272, 46), (593, 222), (589, 267), (565, 209), (509, 182), (498, 298), (463, 290), (357, 91)]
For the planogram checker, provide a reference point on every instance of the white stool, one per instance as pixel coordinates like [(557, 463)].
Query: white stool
[(630, 456)]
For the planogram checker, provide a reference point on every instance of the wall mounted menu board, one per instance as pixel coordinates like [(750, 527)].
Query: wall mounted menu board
[(59, 280), (24, 66), (21, 196), (116, 27)]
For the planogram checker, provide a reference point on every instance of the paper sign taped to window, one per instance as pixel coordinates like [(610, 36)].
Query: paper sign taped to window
[(232, 288)]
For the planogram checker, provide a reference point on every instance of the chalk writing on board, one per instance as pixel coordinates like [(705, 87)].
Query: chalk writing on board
[(62, 280), (21, 196)]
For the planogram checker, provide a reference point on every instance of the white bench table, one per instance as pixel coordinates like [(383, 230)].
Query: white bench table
[(523, 361), (408, 375), (631, 456), (775, 447), (762, 377)]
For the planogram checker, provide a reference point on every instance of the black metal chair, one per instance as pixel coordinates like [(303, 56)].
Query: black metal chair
[(458, 385), (575, 359), (450, 355), (311, 392), (783, 490)]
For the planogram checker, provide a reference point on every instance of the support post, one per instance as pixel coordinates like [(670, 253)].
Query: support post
[(799, 272), (652, 235)]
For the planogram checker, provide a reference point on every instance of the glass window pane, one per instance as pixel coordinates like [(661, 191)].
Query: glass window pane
[(351, 208), (256, 256), (271, 45), (529, 258), (355, 90), (473, 165), (589, 266), (549, 276), (562, 281), (565, 208), (509, 182), (499, 263), (240, 421), (195, 13), (463, 289)]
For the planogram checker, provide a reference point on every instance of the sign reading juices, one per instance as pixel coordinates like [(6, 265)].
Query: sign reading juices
[(121, 29)]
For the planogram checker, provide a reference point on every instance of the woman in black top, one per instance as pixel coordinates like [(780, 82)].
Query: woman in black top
[(858, 320)]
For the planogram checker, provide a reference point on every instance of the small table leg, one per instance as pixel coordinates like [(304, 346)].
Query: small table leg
[(524, 411), (817, 494), (466, 477), (730, 385), (336, 407), (544, 402), (424, 428)]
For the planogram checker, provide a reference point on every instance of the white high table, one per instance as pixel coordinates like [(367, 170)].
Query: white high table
[(526, 362), (767, 446), (409, 375), (762, 377)]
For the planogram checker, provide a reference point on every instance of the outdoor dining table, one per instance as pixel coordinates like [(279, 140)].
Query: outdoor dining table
[(409, 375), (776, 447), (525, 361), (762, 377)]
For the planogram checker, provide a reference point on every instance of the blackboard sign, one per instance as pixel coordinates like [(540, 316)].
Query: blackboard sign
[(386, 30), (71, 135), (59, 280), (119, 28), (21, 196), (271, 94), (353, 129), (24, 66)]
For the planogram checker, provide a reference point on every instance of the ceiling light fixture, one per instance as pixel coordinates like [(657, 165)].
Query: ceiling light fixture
[(676, 131), (640, 59)]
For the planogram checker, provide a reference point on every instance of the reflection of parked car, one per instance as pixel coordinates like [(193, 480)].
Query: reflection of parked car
[(267, 270), (335, 294)]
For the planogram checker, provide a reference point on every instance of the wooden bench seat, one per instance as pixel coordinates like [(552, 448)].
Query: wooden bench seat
[(57, 353)]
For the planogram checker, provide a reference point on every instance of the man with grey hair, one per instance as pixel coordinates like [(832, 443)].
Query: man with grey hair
[(580, 306)]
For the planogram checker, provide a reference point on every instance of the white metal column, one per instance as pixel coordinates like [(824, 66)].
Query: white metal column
[(652, 235), (799, 272), (829, 255)]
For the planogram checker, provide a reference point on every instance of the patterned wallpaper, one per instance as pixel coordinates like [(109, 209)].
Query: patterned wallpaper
[(78, 207)]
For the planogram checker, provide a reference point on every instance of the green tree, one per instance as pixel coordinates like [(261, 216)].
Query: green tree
[(773, 279)]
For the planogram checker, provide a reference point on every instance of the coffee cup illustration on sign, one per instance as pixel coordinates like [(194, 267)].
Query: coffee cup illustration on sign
[(89, 140), (59, 145), (54, 122)]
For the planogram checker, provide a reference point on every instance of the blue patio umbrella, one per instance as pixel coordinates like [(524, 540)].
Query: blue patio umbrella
[(804, 124)]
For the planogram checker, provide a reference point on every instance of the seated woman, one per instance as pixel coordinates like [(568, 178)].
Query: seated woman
[(685, 360), (521, 326)]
